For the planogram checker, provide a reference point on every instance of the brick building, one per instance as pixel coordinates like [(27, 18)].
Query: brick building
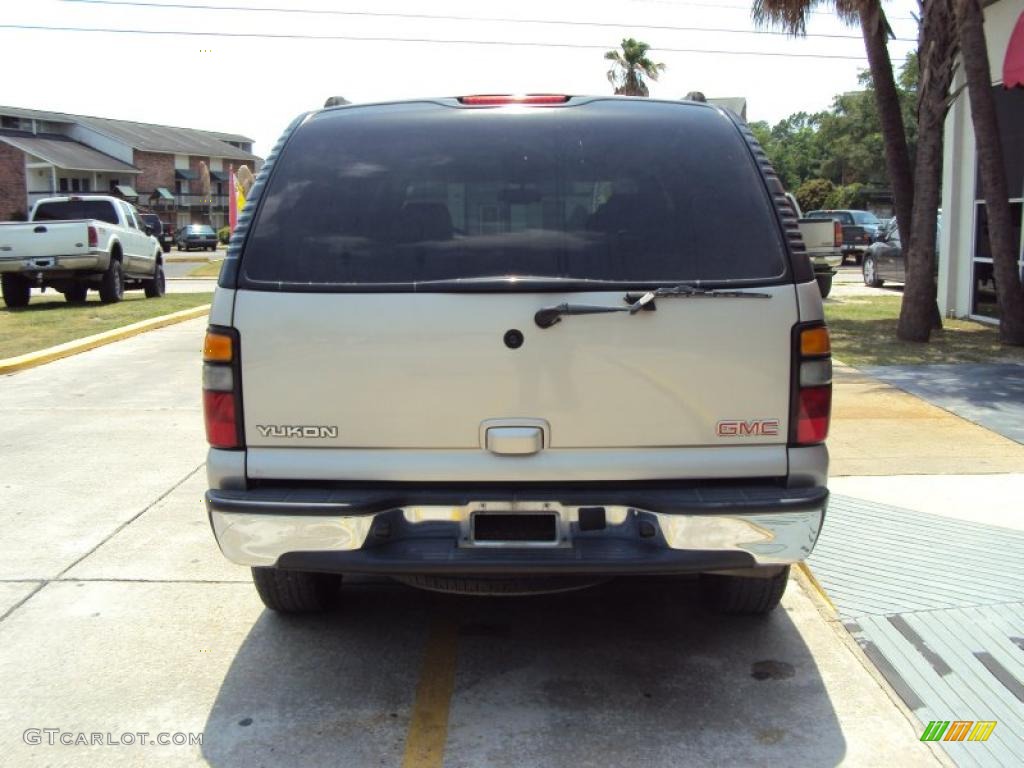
[(154, 166)]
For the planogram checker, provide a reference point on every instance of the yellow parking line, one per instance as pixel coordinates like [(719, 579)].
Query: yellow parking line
[(428, 727), (805, 569)]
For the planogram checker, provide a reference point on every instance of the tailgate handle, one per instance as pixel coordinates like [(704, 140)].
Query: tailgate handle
[(39, 229), (515, 441)]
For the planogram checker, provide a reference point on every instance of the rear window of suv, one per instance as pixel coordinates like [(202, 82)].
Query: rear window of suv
[(402, 194)]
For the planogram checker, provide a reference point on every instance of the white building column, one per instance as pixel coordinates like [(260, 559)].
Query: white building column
[(956, 238)]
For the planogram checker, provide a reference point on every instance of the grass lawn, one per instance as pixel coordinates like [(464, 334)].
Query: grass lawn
[(864, 333), (49, 320), (212, 269)]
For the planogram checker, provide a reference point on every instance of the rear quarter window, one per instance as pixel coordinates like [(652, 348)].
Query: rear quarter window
[(403, 194)]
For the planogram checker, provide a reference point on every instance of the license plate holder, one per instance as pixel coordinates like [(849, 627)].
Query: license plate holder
[(501, 528)]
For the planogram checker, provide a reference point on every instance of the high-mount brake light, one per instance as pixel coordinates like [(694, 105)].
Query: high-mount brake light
[(497, 100), (222, 400), (811, 408)]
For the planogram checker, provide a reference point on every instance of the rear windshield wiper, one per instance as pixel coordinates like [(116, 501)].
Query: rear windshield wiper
[(548, 316), (685, 290)]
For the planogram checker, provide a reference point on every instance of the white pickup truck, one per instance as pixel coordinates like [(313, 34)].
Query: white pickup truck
[(72, 244), (824, 241)]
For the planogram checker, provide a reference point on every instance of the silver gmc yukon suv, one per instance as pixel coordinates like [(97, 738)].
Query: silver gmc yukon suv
[(514, 344)]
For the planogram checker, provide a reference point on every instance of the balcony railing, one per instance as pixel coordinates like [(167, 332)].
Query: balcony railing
[(188, 201), (202, 202)]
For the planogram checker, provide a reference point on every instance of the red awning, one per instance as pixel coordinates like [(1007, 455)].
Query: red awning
[(1013, 64)]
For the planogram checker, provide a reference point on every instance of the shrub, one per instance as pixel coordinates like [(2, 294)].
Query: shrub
[(224, 234), (813, 193)]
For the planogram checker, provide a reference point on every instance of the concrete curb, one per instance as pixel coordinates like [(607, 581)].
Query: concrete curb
[(173, 279), (42, 356)]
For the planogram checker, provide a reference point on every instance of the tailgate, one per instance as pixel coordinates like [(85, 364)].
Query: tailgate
[(426, 371), (44, 238), (818, 235)]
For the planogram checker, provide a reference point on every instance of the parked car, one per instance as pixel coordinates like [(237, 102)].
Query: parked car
[(193, 236), (860, 230), (72, 244), (823, 239), (884, 260), (556, 357), (158, 229)]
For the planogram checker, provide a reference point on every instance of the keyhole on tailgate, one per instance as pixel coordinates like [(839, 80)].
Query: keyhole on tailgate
[(513, 338)]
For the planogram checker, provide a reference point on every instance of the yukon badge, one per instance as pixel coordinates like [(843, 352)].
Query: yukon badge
[(291, 430), (748, 428)]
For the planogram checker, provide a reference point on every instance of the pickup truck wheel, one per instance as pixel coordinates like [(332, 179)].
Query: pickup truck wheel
[(870, 270), (156, 287), (112, 283), (16, 291), (76, 293), (296, 591), (743, 595)]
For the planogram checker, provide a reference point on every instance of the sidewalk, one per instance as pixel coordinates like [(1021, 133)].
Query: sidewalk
[(924, 563), (878, 429)]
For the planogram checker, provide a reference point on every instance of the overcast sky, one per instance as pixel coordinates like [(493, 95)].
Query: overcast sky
[(256, 85)]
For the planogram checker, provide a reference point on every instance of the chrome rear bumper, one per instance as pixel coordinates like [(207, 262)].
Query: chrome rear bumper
[(673, 532)]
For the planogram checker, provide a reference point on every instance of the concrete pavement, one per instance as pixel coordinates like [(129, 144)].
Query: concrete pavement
[(121, 616)]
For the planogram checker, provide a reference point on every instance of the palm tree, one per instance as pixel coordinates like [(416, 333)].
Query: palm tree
[(936, 55), (631, 67), (974, 52), (792, 16)]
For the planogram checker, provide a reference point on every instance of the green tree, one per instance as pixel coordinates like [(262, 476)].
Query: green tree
[(813, 193), (847, 196), (631, 65), (914, 207)]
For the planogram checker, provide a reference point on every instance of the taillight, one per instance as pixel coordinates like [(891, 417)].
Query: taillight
[(222, 388), (94, 238), (495, 100), (837, 233), (811, 408)]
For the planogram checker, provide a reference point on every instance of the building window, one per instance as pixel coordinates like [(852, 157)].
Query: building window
[(63, 184), (1010, 110), (114, 184), (76, 185), (983, 285), (86, 185)]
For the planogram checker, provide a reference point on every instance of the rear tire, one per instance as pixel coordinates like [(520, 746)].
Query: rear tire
[(16, 291), (296, 591), (870, 270), (743, 595), (77, 293), (156, 287), (112, 283)]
